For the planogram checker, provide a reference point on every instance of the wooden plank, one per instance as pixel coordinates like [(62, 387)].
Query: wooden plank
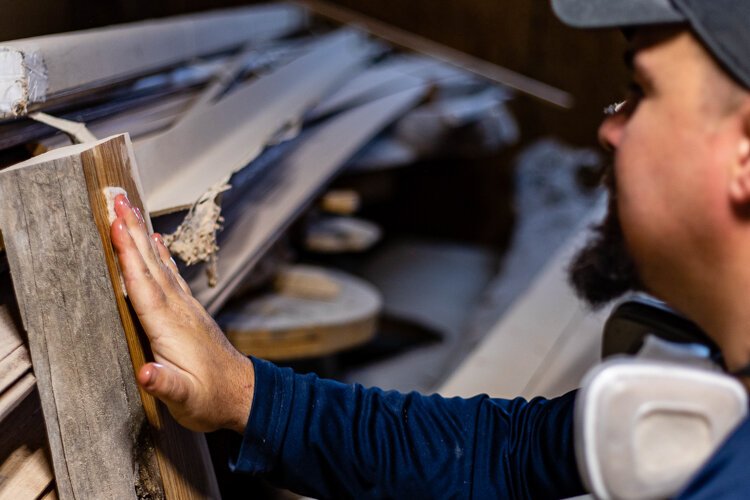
[(512, 358), (10, 336), (83, 339), (178, 166), (13, 366), (271, 203), (487, 70), (33, 70), (388, 77), (25, 468), (137, 122), (15, 394)]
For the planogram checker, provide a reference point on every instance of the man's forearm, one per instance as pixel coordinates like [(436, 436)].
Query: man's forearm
[(332, 440)]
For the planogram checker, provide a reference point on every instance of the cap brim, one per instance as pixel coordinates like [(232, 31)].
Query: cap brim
[(615, 13)]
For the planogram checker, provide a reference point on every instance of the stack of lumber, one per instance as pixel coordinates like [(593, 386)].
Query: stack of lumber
[(252, 103)]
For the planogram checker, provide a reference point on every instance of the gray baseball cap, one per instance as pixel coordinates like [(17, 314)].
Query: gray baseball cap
[(722, 25)]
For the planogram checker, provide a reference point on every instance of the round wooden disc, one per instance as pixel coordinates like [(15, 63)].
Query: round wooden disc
[(284, 326)]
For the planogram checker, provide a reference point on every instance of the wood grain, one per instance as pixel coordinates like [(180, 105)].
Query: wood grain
[(83, 338)]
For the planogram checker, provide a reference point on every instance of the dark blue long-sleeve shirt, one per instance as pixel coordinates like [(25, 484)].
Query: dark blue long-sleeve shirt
[(331, 440)]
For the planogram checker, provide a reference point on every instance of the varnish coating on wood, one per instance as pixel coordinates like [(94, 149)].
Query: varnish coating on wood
[(83, 338)]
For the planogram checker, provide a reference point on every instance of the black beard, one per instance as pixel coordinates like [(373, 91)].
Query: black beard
[(603, 270)]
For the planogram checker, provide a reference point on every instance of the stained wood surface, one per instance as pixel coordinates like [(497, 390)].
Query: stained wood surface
[(292, 323), (83, 339)]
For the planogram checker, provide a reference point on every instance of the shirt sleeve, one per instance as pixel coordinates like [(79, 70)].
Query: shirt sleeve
[(332, 440)]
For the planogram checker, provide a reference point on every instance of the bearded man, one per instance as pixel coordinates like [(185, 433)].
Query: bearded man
[(678, 227)]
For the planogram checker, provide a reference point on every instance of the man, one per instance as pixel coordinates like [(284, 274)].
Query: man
[(681, 195)]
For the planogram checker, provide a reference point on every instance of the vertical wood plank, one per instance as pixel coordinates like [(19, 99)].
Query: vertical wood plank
[(183, 457), (83, 338), (92, 410)]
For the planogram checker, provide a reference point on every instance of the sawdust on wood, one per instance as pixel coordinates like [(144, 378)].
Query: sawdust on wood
[(194, 240)]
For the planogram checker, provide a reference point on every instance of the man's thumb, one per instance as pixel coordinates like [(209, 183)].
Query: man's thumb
[(163, 382)]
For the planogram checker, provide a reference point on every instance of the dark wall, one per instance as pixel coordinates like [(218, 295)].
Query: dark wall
[(522, 35)]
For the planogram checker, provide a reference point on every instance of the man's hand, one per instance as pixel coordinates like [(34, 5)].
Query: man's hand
[(203, 380)]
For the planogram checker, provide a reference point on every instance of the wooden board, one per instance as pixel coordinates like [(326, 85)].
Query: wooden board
[(10, 336), (34, 70), (83, 339), (543, 345), (284, 325), (25, 467), (272, 202), (14, 366), (182, 163)]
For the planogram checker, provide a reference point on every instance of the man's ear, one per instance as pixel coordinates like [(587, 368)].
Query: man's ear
[(739, 188)]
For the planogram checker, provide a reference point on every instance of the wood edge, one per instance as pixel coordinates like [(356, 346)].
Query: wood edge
[(301, 343), (489, 71), (92, 160)]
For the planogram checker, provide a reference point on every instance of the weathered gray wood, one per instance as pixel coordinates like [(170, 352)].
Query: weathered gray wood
[(76, 339), (33, 70), (82, 339)]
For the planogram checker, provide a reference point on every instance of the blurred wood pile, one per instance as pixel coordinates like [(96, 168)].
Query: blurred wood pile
[(239, 120)]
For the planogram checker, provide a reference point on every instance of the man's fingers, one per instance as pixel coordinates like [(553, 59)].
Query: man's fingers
[(137, 229), (164, 382), (168, 261), (134, 270)]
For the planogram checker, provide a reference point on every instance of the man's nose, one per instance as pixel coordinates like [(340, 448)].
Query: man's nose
[(610, 131)]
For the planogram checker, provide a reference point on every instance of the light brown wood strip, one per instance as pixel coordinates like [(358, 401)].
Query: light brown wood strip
[(10, 337), (25, 468), (13, 366), (15, 394)]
